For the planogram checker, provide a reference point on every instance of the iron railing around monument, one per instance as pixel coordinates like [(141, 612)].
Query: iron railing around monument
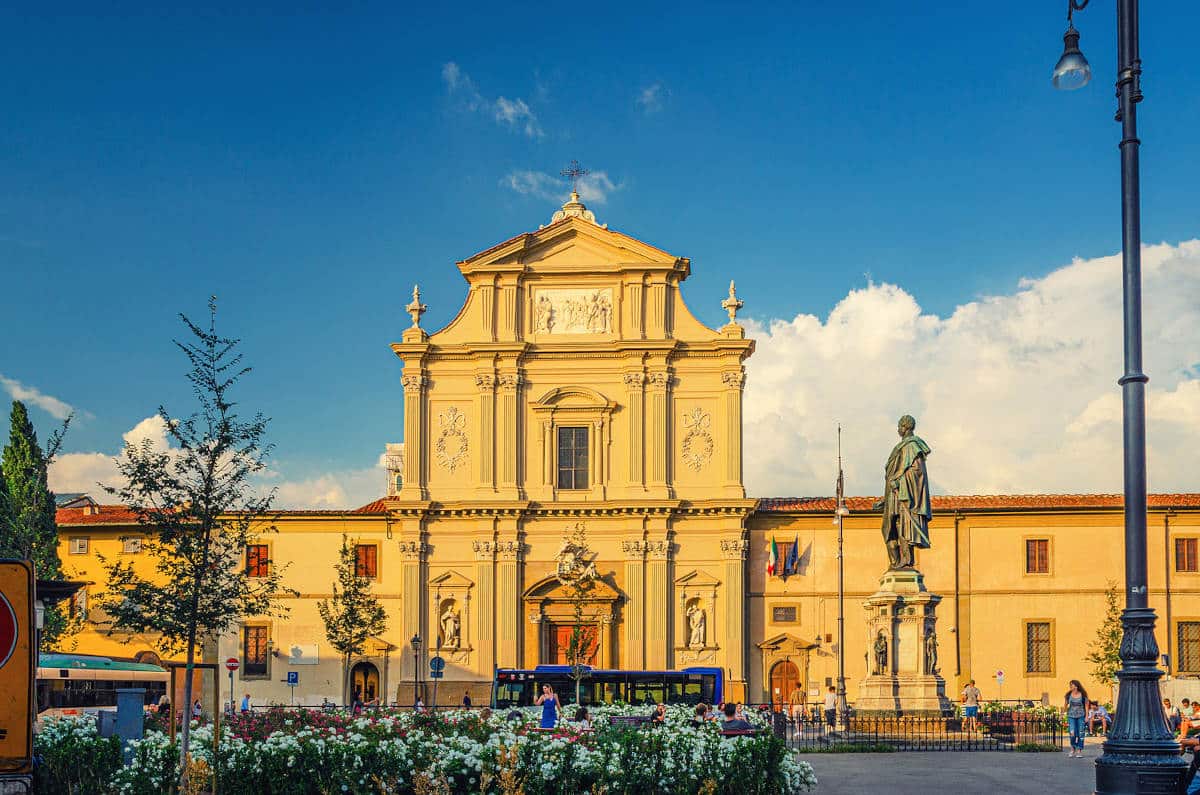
[(1004, 730)]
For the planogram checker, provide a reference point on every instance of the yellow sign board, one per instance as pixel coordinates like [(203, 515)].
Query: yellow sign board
[(16, 666)]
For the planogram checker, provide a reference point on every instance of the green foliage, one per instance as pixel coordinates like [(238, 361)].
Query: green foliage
[(853, 748), (1035, 748), (27, 511), (73, 757), (1104, 651), (584, 638), (200, 510), (353, 615)]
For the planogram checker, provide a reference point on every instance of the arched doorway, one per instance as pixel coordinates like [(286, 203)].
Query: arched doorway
[(364, 681), (785, 678)]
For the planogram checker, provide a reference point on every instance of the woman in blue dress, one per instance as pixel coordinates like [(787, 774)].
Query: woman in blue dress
[(549, 704)]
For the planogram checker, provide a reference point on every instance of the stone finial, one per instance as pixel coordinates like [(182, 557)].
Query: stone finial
[(574, 208), (415, 308), (732, 304)]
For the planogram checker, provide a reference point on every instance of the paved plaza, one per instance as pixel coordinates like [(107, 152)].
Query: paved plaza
[(954, 773)]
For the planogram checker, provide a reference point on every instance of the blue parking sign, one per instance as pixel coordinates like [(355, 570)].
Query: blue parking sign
[(293, 678)]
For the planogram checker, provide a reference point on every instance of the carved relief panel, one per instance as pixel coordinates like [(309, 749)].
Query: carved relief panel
[(572, 311)]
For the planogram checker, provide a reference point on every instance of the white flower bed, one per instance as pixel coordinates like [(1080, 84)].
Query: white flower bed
[(456, 751)]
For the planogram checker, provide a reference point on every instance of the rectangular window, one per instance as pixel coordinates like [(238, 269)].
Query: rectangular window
[(1185, 554), (79, 545), (1037, 556), (366, 561), (258, 560), (783, 615), (254, 651), (131, 545), (1189, 646), (572, 458), (1038, 651)]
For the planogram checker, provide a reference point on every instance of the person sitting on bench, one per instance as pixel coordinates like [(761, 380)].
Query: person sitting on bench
[(734, 723)]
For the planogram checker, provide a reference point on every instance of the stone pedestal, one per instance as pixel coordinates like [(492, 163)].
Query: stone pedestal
[(903, 613)]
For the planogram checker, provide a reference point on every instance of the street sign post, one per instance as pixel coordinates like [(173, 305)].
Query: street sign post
[(293, 679), (232, 665), (17, 650), (437, 669)]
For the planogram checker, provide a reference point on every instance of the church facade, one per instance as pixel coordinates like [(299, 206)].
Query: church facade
[(576, 417)]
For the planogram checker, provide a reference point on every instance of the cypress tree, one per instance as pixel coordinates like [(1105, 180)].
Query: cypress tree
[(27, 513)]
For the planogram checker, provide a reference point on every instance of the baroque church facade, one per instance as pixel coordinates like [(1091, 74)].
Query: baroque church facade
[(574, 395)]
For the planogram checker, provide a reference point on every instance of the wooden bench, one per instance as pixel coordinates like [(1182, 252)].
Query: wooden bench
[(628, 720)]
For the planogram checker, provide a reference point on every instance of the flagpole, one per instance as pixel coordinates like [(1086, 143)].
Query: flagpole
[(841, 513)]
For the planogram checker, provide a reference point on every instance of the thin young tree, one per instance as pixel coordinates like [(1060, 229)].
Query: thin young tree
[(583, 641), (27, 511), (353, 615), (200, 509), (1104, 651)]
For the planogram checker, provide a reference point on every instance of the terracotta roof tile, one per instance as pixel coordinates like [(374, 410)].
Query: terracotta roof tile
[(981, 502), (99, 514), (375, 506)]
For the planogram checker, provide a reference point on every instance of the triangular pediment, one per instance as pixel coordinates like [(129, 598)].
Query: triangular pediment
[(451, 580), (785, 641), (551, 589), (572, 245), (697, 579)]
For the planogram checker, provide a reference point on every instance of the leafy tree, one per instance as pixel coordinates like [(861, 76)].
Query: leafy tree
[(353, 615), (1104, 651), (27, 510), (583, 642), (200, 510)]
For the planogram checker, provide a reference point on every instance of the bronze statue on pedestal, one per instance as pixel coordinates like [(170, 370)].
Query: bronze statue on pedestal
[(905, 503)]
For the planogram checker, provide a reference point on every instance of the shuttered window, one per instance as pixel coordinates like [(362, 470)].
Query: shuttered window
[(1037, 556), (1185, 555)]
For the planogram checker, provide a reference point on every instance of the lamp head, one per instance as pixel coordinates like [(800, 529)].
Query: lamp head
[(416, 641), (1072, 70)]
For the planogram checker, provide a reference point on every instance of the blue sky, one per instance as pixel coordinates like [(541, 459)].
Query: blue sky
[(307, 165)]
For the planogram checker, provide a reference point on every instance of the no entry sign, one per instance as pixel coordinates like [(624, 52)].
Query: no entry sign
[(232, 664), (16, 666)]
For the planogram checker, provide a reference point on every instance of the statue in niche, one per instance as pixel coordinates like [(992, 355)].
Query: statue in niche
[(881, 654), (451, 628), (696, 626), (931, 652)]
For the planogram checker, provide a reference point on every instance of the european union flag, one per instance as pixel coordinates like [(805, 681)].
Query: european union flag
[(792, 564)]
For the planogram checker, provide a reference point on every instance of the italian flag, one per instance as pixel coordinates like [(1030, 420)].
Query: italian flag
[(773, 559)]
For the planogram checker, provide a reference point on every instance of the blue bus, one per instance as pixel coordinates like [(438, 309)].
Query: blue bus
[(516, 687)]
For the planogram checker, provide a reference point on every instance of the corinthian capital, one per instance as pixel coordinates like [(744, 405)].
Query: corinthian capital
[(634, 380), (413, 550), (485, 381), (660, 380), (509, 382), (413, 381), (734, 379), (734, 548)]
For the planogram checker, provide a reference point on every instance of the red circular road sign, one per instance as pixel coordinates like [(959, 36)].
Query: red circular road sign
[(8, 630), (232, 664)]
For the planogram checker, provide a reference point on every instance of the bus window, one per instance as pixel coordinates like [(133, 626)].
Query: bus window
[(685, 689), (646, 689), (513, 694)]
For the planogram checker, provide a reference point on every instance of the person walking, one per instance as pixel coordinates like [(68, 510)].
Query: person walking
[(1075, 704), (466, 702), (549, 704), (796, 705), (831, 708), (970, 701), (245, 703)]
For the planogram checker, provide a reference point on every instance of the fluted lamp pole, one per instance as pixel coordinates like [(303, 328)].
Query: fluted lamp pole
[(1140, 754)]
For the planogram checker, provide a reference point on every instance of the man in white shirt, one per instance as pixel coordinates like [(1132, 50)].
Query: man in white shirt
[(831, 707), (970, 702)]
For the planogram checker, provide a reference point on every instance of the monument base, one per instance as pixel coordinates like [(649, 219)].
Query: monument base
[(904, 614)]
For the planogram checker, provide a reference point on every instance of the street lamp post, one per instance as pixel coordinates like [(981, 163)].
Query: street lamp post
[(416, 647), (842, 511), (1140, 754)]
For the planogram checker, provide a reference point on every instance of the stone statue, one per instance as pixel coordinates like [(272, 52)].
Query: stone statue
[(905, 503), (881, 654), (451, 634), (696, 622), (931, 652), (544, 321)]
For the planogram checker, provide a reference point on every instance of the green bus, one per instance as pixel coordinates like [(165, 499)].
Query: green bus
[(72, 684)]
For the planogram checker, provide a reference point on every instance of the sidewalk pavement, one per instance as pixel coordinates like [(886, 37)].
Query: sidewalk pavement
[(956, 772)]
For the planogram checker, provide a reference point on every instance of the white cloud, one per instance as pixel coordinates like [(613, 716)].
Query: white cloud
[(594, 187), (650, 98), (58, 409), (512, 113), (335, 490), (1014, 393)]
